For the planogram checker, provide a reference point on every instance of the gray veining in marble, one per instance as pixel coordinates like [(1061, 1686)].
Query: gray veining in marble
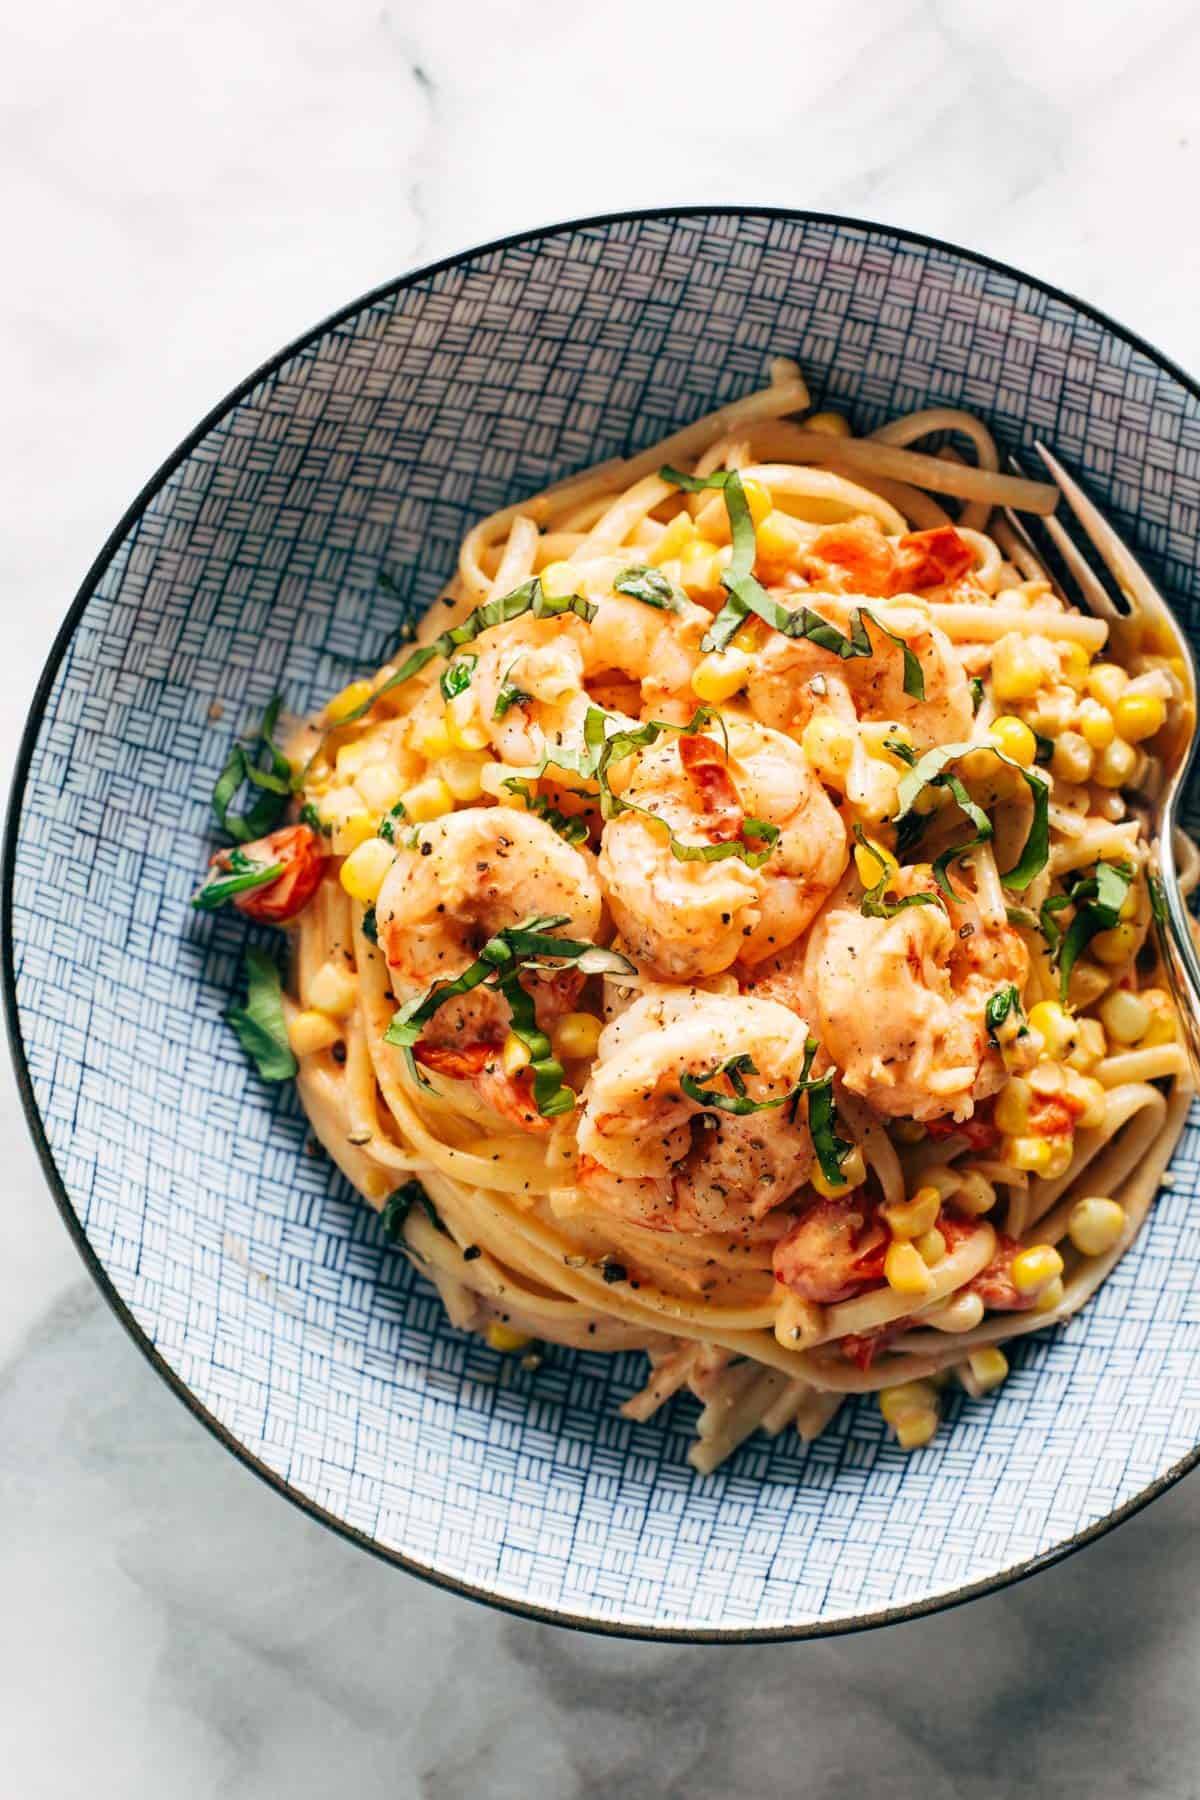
[(186, 187)]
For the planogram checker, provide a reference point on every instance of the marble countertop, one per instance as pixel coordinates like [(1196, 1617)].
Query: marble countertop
[(188, 187)]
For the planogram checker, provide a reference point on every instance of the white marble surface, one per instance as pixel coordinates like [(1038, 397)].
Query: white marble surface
[(186, 187)]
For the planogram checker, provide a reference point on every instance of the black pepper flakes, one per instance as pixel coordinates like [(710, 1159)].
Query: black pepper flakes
[(471, 1252)]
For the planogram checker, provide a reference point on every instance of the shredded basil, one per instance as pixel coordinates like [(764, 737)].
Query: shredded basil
[(394, 1212), (831, 1149), (261, 766), (650, 586), (311, 817), (387, 825), (260, 1025), (370, 926), (1005, 1002), (899, 748), (1044, 748), (242, 875), (933, 770), (508, 696), (1021, 915), (456, 677), (1098, 899), (1158, 903), (574, 830), (976, 694), (874, 904), (551, 1095), (734, 1069)]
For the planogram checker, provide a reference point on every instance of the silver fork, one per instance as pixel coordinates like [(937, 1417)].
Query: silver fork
[(1150, 621)]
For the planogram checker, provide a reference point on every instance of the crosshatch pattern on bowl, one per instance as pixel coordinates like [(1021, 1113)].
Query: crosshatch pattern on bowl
[(264, 1284)]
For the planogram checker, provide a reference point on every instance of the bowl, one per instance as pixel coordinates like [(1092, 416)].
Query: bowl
[(255, 1281)]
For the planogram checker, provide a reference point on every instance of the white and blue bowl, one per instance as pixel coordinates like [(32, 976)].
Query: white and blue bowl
[(256, 1282)]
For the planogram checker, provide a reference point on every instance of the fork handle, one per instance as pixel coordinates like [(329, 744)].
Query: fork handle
[(1179, 956)]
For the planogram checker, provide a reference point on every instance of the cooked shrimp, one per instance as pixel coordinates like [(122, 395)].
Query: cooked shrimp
[(688, 920), (783, 693), (652, 1153), (655, 649), (899, 1003), (526, 690)]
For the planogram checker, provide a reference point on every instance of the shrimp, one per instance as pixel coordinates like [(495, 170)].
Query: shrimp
[(469, 875), (692, 919), (526, 689), (899, 1003), (654, 649), (794, 677), (653, 1153)]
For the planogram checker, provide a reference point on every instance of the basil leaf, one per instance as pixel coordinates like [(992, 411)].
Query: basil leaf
[(1020, 915), (831, 1149), (260, 1024), (573, 829), (370, 926), (247, 768), (387, 825), (508, 696), (1098, 899), (932, 771), (242, 875), (457, 676), (311, 817), (976, 694), (760, 830), (551, 1095), (983, 833), (734, 1069), (904, 751), (1158, 903), (1044, 748), (650, 586), (1005, 1002), (874, 905), (394, 1212), (914, 675)]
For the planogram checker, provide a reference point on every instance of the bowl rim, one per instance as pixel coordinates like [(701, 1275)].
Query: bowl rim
[(856, 1622)]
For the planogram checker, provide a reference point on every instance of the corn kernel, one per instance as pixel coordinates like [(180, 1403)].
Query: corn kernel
[(1114, 766), (1106, 683), (700, 571), (343, 704), (1095, 1224), (829, 424), (931, 1247), (1125, 1016), (576, 1036), (1164, 1023), (1014, 738), (1050, 1297), (1032, 1154), (1054, 1025), (778, 538), (1096, 724), (380, 786), (989, 1367), (906, 1396), (311, 1031), (749, 639), (504, 1339), (912, 1218), (1138, 716), (1073, 758), (1033, 1268), (905, 1270), (339, 804), (719, 676), (758, 499), (1087, 1097), (1074, 663), (515, 1055), (461, 771), (962, 1312), (916, 1429), (352, 759), (1046, 1078), (853, 1174), (973, 1193), (427, 799), (873, 862), (1012, 1107), (559, 580), (333, 989), (675, 539), (363, 872), (828, 744), (1090, 1047), (1115, 946), (351, 833), (430, 737), (1017, 672), (463, 729)]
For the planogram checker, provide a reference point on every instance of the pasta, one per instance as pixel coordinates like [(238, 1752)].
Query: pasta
[(724, 933)]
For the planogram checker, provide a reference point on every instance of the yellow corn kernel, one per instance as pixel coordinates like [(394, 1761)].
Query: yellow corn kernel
[(343, 704), (988, 1367), (916, 1429), (1012, 1108), (333, 989), (1034, 1268), (1073, 758), (1017, 671), (352, 759), (700, 570), (1125, 1016), (380, 786), (829, 424), (1090, 1047), (873, 862), (1106, 683), (1074, 663), (1014, 738), (1054, 1025), (675, 539), (749, 639), (778, 537), (1164, 1022), (905, 1270), (515, 1055), (906, 1396), (1046, 1078), (351, 833), (559, 580), (1096, 724), (362, 873), (431, 738), (1116, 946), (1087, 1094), (1033, 1154), (758, 499), (719, 676), (828, 744), (504, 1339), (427, 799), (461, 771), (1095, 1224), (913, 1218), (576, 1036), (853, 1174), (1114, 766), (463, 729), (311, 1031), (1050, 1297), (931, 1247), (1138, 716), (973, 1193), (962, 1312)]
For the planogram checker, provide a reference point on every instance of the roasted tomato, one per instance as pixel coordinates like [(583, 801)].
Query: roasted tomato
[(980, 1131), (707, 770), (928, 559), (994, 1283), (303, 858), (833, 1250), (862, 552), (457, 1062), (862, 1347)]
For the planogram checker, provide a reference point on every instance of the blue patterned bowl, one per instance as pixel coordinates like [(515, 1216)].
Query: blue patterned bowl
[(254, 1280)]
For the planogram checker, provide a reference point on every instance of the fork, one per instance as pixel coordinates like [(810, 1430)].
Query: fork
[(1149, 623)]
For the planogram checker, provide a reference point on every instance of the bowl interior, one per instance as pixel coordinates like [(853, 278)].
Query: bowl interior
[(252, 566)]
